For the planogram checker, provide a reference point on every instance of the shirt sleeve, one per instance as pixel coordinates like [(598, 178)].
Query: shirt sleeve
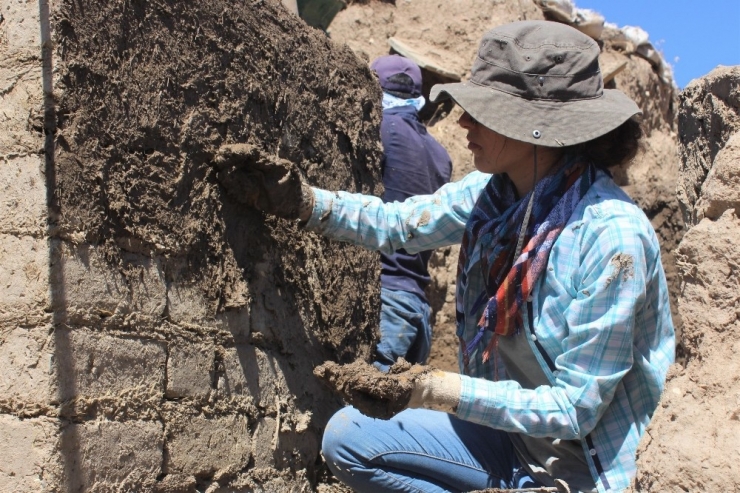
[(610, 280), (419, 223)]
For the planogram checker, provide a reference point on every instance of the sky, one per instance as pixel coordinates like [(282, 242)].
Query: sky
[(693, 36)]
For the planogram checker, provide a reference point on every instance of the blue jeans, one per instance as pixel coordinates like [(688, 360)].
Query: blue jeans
[(419, 451), (405, 328)]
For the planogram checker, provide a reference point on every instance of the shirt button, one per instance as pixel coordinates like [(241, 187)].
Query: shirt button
[(592, 452), (533, 337), (529, 298)]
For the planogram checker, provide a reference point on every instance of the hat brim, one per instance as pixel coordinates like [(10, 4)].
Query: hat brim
[(557, 123)]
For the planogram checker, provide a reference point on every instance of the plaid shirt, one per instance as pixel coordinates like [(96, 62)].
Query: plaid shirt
[(598, 320)]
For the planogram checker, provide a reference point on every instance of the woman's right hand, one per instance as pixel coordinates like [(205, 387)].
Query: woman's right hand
[(265, 182)]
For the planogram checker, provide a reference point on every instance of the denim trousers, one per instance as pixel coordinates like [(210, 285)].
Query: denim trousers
[(419, 451), (405, 328)]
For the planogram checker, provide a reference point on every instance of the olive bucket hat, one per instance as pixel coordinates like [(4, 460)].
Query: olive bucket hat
[(539, 82)]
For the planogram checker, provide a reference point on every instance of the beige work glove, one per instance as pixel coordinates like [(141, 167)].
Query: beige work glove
[(383, 395), (265, 182), (436, 389)]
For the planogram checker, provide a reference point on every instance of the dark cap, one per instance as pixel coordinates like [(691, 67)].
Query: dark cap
[(398, 75)]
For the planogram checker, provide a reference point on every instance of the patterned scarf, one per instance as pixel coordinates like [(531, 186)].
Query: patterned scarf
[(491, 236)]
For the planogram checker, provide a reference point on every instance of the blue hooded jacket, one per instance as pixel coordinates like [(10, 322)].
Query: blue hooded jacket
[(414, 163)]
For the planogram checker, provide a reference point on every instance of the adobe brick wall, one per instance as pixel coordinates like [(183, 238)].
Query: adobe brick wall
[(155, 334)]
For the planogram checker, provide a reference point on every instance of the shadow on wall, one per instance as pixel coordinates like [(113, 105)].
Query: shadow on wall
[(63, 364)]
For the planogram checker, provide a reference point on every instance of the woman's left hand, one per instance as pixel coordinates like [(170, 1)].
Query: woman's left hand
[(383, 395)]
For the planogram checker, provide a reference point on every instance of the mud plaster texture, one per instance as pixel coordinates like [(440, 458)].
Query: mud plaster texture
[(691, 444), (374, 393), (449, 32), (156, 335)]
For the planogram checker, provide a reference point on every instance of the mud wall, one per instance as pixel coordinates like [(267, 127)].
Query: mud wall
[(155, 334), (692, 442)]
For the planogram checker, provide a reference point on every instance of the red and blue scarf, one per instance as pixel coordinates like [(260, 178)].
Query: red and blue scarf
[(490, 240)]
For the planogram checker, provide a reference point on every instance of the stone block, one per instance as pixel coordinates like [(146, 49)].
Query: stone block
[(111, 456), (202, 446), (23, 196), (92, 364), (190, 370), (26, 447), (24, 279), (25, 366)]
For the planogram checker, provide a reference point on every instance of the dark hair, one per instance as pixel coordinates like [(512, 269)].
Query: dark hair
[(613, 148)]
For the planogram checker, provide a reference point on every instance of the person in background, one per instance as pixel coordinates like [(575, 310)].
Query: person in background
[(414, 163)]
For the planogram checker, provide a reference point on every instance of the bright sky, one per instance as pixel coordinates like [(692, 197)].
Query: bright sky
[(694, 36)]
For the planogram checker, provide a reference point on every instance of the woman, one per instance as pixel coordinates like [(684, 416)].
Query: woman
[(562, 303)]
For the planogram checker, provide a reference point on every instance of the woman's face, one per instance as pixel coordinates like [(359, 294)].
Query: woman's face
[(494, 153)]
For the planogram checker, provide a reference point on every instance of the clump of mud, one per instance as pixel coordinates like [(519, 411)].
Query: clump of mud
[(372, 392), (259, 180)]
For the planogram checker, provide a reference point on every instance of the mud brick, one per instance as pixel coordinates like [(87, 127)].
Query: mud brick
[(145, 278), (721, 189), (84, 287), (250, 371), (264, 443), (23, 196), (190, 370), (201, 446), (21, 27), (111, 456), (24, 279), (27, 448), (237, 322), (21, 87), (186, 304), (92, 364), (25, 366), (285, 448)]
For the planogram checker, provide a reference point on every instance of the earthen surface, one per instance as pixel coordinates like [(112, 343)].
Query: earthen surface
[(691, 444)]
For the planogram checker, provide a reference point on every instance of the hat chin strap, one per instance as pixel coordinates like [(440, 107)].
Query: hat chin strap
[(525, 222)]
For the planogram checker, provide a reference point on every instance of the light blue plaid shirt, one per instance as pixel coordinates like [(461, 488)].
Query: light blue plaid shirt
[(601, 326)]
